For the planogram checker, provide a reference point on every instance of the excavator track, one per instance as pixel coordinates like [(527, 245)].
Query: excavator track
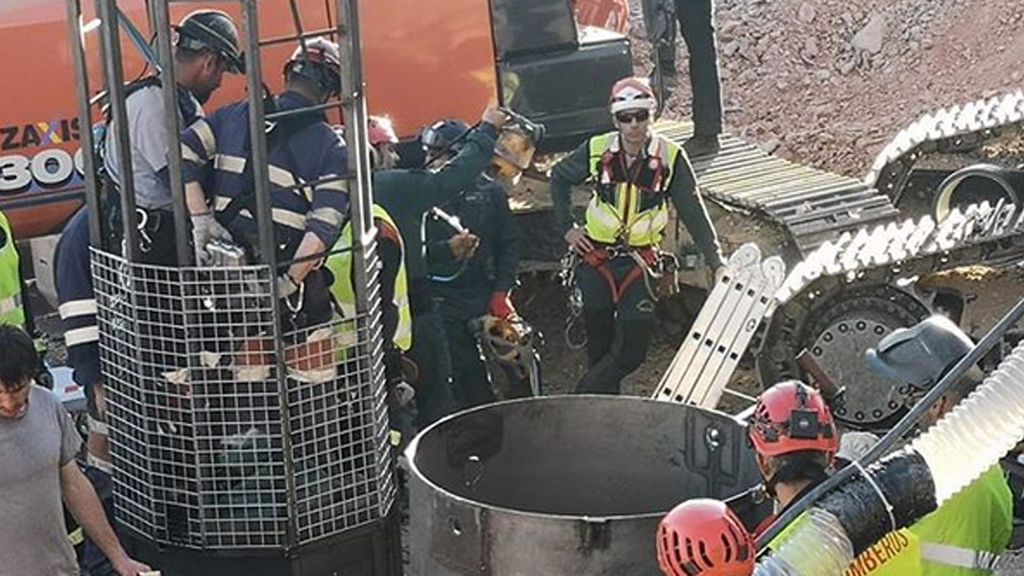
[(859, 247), (813, 205)]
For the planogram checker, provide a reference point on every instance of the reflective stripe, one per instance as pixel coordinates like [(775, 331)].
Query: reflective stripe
[(206, 136), (220, 203), (10, 304), (959, 557), (77, 308), (97, 462), (228, 163), (336, 186), (189, 155), (98, 426), (329, 216), (82, 336)]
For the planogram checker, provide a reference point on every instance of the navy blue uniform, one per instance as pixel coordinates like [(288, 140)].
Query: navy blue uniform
[(77, 301), (301, 148), (407, 195), (463, 289)]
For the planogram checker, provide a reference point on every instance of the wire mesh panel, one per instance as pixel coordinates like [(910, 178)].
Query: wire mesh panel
[(218, 443)]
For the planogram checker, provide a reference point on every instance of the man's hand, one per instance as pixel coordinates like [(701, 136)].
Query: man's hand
[(501, 306), (493, 116), (205, 229), (463, 245), (578, 241), (128, 567)]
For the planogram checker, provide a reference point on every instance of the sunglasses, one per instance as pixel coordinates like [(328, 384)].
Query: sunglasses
[(635, 116)]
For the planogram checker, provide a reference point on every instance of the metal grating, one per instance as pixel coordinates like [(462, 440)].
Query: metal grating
[(207, 455)]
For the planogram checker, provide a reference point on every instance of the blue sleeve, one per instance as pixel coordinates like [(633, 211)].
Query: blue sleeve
[(199, 147), (329, 210), (77, 301)]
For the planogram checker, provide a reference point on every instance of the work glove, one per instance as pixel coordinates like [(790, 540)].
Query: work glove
[(206, 229), (501, 306)]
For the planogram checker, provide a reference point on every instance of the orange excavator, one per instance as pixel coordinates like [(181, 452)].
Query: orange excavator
[(446, 58)]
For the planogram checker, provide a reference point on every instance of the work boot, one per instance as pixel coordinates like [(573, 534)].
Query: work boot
[(702, 145)]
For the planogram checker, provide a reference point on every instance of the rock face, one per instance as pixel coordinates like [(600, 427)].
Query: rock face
[(871, 37)]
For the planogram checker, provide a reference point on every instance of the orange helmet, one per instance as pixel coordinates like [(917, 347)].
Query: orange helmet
[(703, 537), (792, 417), (632, 93)]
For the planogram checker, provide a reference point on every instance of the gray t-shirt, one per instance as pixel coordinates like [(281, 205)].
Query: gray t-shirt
[(33, 541), (148, 134)]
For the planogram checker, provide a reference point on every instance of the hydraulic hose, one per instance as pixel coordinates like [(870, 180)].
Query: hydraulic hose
[(910, 483)]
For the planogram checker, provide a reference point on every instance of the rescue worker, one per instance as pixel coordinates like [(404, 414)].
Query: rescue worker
[(635, 173), (301, 147), (696, 21), (407, 195), (472, 271), (77, 308), (396, 317), (12, 306), (796, 442), (702, 537), (206, 46), (966, 535)]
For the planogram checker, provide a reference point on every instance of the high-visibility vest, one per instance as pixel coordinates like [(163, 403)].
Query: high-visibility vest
[(966, 535), (12, 308), (340, 265), (621, 212), (896, 554)]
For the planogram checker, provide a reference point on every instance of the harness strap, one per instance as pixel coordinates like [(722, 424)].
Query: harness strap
[(643, 258)]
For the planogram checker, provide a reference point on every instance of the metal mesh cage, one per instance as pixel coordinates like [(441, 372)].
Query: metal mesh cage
[(218, 443)]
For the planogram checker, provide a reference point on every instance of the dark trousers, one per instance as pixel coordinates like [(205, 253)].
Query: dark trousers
[(618, 335), (430, 353), (696, 21), (471, 382)]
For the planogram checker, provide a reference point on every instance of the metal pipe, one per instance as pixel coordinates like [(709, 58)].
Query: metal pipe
[(267, 242), (172, 124), (88, 145), (110, 47)]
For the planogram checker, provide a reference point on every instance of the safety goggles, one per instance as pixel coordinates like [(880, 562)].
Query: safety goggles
[(627, 116)]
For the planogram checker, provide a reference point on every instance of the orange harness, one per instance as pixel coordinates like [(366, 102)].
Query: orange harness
[(598, 259)]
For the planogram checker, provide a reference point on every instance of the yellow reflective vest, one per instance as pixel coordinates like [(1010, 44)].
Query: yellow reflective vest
[(966, 535), (12, 309), (340, 265), (622, 212)]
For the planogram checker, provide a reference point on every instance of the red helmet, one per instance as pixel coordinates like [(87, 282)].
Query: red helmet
[(704, 537), (381, 130), (792, 417), (632, 94)]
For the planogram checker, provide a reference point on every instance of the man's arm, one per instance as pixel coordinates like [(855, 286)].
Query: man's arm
[(81, 499), (506, 249), (198, 148), (328, 212), (459, 174), (691, 209), (572, 170)]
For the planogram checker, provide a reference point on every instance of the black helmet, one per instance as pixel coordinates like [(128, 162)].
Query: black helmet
[(318, 60), (212, 31), (920, 355), (441, 134)]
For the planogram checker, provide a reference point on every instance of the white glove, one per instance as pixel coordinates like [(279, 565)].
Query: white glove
[(205, 229)]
